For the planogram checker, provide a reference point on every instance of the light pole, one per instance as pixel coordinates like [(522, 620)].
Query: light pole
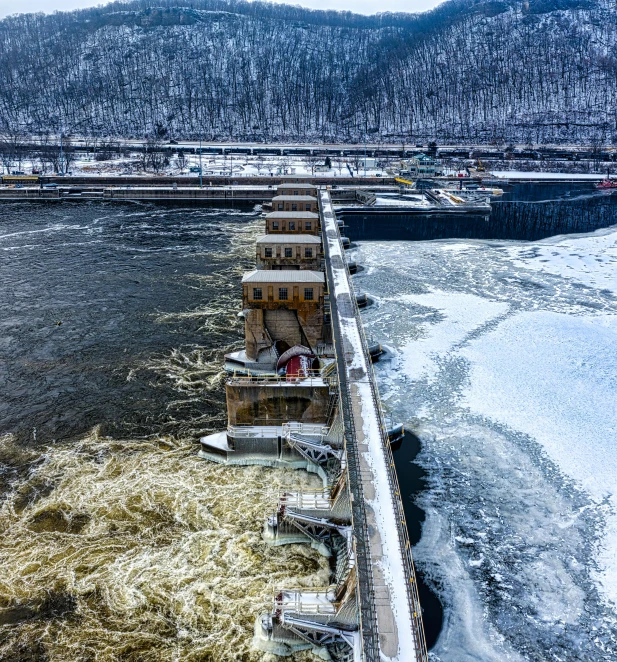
[(201, 180), (365, 154), (61, 154)]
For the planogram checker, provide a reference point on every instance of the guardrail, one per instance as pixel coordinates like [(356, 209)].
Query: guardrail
[(305, 428), (307, 499), (314, 378), (295, 604), (361, 542), (260, 431), (403, 534)]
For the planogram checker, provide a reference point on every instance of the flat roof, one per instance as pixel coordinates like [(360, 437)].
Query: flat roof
[(267, 276), (294, 198), (298, 186), (289, 239), (302, 215)]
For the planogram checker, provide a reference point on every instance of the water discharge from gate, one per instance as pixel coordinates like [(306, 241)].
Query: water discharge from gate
[(117, 541)]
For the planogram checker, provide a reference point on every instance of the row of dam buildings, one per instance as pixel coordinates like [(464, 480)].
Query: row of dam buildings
[(285, 410)]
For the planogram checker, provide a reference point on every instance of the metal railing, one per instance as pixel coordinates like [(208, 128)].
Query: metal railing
[(291, 600), (310, 429), (403, 534), (307, 499), (265, 431), (361, 542), (313, 378)]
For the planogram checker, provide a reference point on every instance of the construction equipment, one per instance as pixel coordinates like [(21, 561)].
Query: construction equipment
[(480, 167)]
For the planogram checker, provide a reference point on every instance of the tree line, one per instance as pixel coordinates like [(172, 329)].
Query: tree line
[(492, 71)]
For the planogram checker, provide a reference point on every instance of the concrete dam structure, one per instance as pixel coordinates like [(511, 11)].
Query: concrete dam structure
[(302, 394)]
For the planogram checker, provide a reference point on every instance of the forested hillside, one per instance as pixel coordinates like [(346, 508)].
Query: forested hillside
[(469, 71)]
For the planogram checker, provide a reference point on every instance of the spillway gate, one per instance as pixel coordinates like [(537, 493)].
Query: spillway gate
[(303, 395)]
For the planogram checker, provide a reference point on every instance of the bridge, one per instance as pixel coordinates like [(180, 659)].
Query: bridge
[(390, 613), (315, 405)]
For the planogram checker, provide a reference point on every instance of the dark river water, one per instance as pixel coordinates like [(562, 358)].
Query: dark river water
[(116, 541), (90, 296), (113, 323)]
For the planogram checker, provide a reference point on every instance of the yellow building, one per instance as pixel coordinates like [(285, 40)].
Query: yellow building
[(297, 189), (292, 222), (294, 203), (284, 251), (285, 308)]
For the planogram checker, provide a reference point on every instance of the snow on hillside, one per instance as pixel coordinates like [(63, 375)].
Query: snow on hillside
[(490, 71)]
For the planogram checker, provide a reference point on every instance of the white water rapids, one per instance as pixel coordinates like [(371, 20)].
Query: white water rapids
[(127, 547)]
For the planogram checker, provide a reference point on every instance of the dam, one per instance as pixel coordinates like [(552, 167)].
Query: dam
[(302, 394)]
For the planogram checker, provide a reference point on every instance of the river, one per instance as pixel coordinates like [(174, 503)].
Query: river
[(501, 363), (117, 542)]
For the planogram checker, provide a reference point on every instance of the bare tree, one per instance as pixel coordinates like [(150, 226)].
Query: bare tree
[(154, 155), (312, 160), (68, 154), (12, 150), (524, 80)]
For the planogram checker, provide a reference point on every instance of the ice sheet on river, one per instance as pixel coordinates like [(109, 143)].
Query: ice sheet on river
[(504, 363)]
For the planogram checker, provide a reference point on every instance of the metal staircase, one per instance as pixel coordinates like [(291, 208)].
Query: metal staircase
[(322, 449), (325, 618), (319, 634), (319, 529), (312, 450), (322, 618)]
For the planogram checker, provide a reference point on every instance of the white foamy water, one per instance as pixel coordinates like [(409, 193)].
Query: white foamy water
[(504, 365), (138, 550), (130, 548)]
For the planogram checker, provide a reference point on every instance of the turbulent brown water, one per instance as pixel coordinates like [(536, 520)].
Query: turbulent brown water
[(117, 542)]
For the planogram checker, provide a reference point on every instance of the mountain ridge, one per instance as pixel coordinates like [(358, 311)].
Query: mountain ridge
[(466, 71)]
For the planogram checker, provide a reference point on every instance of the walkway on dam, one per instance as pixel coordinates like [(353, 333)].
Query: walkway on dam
[(391, 620)]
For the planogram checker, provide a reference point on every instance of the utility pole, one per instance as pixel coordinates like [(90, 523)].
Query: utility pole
[(201, 179), (61, 153), (365, 154)]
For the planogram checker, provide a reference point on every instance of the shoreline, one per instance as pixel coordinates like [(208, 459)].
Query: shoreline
[(186, 189)]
